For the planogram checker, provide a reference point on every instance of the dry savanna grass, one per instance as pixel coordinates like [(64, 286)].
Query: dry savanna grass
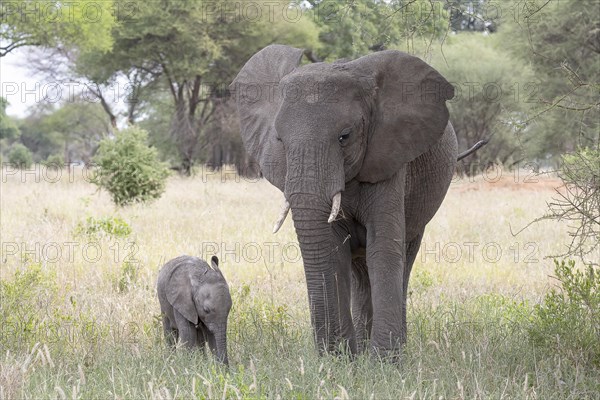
[(81, 317)]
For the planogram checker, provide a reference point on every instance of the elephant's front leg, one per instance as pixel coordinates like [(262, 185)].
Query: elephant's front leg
[(343, 285), (329, 293), (171, 334), (186, 329), (385, 264), (201, 335), (326, 258)]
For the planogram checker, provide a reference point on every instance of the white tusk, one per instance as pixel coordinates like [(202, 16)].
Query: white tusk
[(335, 207), (284, 213)]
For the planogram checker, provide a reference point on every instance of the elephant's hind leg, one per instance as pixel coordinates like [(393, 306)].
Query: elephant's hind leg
[(362, 308)]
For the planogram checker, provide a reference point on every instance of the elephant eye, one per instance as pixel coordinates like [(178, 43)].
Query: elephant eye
[(345, 135), (206, 310)]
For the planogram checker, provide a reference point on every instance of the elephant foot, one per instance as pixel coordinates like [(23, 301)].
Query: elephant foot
[(391, 356), (342, 348)]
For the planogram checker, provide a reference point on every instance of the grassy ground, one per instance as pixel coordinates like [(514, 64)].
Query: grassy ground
[(81, 317)]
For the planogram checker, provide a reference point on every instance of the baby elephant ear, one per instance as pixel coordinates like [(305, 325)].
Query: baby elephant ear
[(179, 293), (214, 262), (258, 97), (410, 113)]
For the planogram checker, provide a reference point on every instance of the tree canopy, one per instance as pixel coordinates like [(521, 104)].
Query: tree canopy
[(8, 127), (171, 63), (85, 24)]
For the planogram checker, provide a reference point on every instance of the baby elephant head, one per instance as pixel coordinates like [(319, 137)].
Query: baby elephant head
[(195, 301)]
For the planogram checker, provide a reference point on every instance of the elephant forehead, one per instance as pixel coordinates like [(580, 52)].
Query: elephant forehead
[(320, 87), (216, 296)]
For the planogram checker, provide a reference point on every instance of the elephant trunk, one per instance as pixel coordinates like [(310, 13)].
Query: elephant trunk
[(217, 340), (319, 257), (314, 182)]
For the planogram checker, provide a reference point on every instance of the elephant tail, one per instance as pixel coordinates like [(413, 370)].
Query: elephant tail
[(473, 149)]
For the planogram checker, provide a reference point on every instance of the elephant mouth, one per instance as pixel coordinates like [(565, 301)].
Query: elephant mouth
[(335, 209)]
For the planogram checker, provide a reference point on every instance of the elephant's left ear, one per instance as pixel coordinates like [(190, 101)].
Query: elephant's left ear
[(410, 112)]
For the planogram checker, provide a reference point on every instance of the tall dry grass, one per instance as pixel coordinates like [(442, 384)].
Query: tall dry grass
[(473, 285)]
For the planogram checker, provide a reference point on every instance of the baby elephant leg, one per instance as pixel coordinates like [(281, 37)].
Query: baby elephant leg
[(187, 330)]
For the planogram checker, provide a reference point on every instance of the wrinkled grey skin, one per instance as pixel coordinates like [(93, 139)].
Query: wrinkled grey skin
[(195, 301), (377, 131)]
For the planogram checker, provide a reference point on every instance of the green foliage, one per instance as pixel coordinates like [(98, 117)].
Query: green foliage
[(266, 325), (128, 169), (469, 15), (98, 228), (20, 156), (561, 40), (420, 282), (54, 161), (35, 310), (86, 24), (8, 128), (582, 169), (74, 129), (352, 29), (192, 54), (128, 277), (492, 98), (568, 320), (26, 301)]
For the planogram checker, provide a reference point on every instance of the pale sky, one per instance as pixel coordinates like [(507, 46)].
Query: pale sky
[(18, 85), (24, 89)]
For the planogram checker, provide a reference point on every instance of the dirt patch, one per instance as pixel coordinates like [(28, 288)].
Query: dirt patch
[(514, 183)]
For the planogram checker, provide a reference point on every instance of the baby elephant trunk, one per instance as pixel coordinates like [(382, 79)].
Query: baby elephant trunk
[(217, 340)]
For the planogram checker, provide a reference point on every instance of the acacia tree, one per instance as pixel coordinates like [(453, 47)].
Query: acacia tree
[(8, 128), (192, 50), (492, 99), (349, 29), (85, 24), (561, 40)]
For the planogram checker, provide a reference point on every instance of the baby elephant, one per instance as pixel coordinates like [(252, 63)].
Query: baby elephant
[(195, 302)]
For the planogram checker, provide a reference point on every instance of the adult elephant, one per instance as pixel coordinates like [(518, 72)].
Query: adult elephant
[(364, 154)]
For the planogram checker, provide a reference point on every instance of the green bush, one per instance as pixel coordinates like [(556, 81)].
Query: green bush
[(96, 228), (568, 320), (20, 156), (54, 161), (27, 305), (129, 276), (129, 169)]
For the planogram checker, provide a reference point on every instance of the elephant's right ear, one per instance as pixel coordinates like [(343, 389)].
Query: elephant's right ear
[(180, 292), (258, 97)]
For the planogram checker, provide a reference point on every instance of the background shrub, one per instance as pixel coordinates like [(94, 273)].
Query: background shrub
[(568, 320), (54, 161), (129, 169), (579, 203), (20, 156), (97, 228)]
